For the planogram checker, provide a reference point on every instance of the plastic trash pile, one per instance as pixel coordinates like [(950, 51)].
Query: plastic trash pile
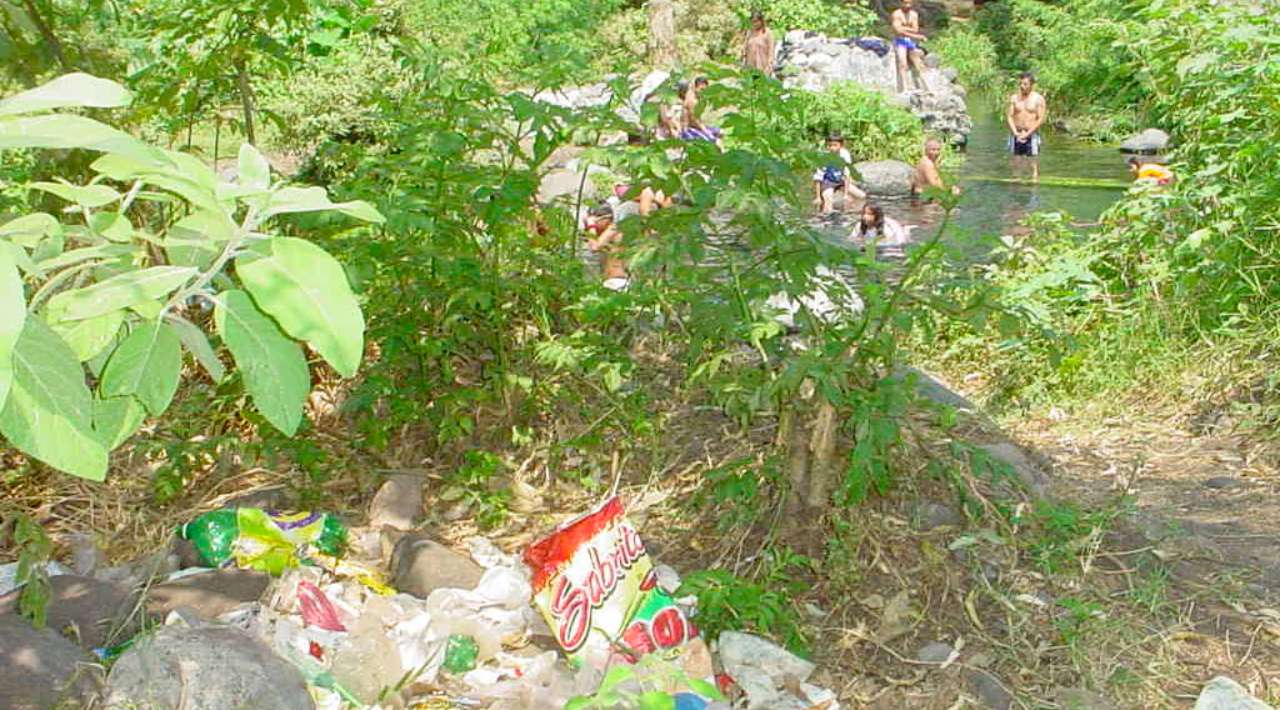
[(582, 620)]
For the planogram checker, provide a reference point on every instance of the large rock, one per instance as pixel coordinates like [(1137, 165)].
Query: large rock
[(1148, 142), (209, 594), (86, 609), (40, 669), (600, 94), (420, 566), (1028, 471), (1222, 693), (816, 62), (207, 668), (886, 178), (565, 183), (397, 504)]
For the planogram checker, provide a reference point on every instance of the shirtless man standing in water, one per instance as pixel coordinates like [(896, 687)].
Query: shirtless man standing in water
[(906, 25), (1025, 116)]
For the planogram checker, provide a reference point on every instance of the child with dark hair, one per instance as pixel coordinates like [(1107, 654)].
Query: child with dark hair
[(606, 239), (833, 179)]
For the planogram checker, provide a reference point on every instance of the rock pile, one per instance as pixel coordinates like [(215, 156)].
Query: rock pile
[(814, 62)]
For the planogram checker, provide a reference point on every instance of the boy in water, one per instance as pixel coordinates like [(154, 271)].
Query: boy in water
[(834, 179), (906, 45), (607, 241), (1026, 114)]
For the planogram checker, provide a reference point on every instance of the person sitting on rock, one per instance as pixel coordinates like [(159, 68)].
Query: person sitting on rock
[(833, 179), (927, 174), (758, 50), (906, 45), (692, 126), (607, 241), (1150, 172), (875, 228)]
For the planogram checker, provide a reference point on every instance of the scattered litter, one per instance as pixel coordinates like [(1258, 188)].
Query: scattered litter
[(269, 542), (769, 675), (460, 654)]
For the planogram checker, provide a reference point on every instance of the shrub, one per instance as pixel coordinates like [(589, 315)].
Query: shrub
[(972, 54), (825, 16), (874, 129)]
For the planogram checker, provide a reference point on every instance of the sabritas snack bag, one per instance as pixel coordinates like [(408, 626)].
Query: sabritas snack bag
[(595, 585)]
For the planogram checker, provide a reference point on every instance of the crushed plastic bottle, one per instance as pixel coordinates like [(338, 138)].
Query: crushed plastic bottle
[(460, 654)]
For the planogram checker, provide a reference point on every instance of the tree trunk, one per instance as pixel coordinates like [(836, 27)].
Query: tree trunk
[(662, 34), (246, 101), (823, 468), (46, 33)]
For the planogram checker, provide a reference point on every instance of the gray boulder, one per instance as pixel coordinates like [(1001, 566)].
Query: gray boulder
[(209, 594), (207, 668), (886, 178), (420, 566), (1028, 471), (564, 184), (815, 62), (398, 503), (40, 669), (1148, 142), (1222, 693), (86, 609)]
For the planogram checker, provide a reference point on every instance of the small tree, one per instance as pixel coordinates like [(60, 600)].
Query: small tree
[(102, 297)]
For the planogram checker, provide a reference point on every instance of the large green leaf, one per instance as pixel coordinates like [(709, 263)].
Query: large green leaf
[(49, 413), (182, 174), (29, 230), (70, 90), (197, 343), (13, 314), (90, 336), (112, 226), (87, 195), (254, 170), (315, 199), (146, 365), (306, 291), (116, 419), (273, 366), (193, 240), (66, 132), (123, 291)]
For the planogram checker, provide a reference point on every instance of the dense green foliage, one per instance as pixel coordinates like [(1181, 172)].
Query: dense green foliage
[(873, 127), (972, 54)]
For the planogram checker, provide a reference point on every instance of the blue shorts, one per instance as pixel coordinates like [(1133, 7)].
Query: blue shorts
[(907, 42)]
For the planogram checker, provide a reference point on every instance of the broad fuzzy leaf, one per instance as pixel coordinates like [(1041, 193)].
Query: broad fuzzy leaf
[(146, 365), (115, 419), (273, 366), (123, 291), (13, 314), (306, 291), (87, 195), (90, 336), (315, 199), (197, 343), (75, 89), (65, 132), (180, 173), (112, 226), (29, 230), (49, 412), (254, 170)]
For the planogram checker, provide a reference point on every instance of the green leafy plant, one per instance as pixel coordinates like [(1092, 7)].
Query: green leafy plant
[(34, 550), (972, 54), (110, 298)]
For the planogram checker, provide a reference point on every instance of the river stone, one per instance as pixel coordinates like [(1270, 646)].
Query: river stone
[(210, 668), (209, 594), (990, 690), (420, 566), (40, 669), (1080, 699), (1222, 693), (1223, 482), (1030, 473), (84, 608), (935, 652), (564, 183), (1148, 142), (885, 178), (397, 504)]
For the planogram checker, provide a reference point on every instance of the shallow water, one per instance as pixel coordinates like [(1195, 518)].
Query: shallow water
[(990, 208)]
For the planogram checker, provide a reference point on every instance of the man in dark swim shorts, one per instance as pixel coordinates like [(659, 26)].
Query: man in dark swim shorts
[(906, 25)]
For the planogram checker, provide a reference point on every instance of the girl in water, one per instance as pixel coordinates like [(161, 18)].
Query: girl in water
[(875, 228)]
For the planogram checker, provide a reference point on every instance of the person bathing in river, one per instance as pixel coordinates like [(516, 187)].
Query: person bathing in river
[(1150, 172), (692, 127), (606, 240), (875, 227), (1026, 114), (758, 49), (906, 45), (927, 173), (833, 179)]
